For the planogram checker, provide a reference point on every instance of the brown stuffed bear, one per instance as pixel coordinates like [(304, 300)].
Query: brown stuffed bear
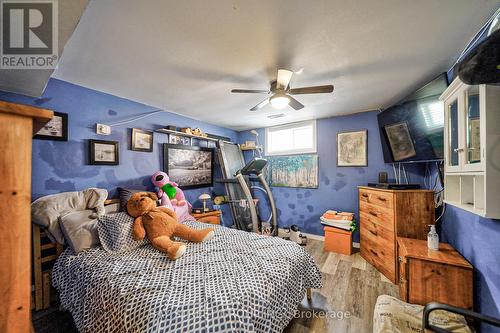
[(160, 224)]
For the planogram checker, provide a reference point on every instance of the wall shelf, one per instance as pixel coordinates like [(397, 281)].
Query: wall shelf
[(167, 131)]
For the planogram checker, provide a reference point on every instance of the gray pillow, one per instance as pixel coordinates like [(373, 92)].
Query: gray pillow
[(115, 233), (80, 228)]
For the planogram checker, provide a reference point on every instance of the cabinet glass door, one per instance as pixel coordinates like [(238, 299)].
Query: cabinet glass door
[(453, 133), (472, 122)]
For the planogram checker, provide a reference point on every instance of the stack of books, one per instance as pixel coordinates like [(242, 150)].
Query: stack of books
[(342, 220)]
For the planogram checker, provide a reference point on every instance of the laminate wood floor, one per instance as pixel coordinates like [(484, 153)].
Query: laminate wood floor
[(345, 302)]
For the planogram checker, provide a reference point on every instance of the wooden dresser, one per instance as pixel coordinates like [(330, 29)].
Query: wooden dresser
[(425, 276), (386, 214), (18, 123)]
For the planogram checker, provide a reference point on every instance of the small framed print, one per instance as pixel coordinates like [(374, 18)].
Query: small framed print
[(141, 140), (179, 140), (104, 152), (352, 149), (56, 129)]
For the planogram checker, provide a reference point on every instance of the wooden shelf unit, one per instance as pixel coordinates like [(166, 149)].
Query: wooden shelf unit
[(167, 131)]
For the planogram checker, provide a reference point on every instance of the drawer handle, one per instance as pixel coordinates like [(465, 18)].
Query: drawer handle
[(364, 195), (374, 253), (373, 232), (382, 199), (373, 213)]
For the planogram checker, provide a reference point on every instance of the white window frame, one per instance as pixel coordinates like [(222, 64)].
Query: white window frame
[(292, 151)]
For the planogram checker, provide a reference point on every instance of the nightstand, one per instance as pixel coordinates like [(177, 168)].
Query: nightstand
[(212, 217), (425, 276)]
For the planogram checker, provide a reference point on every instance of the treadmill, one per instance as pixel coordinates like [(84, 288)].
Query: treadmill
[(238, 179)]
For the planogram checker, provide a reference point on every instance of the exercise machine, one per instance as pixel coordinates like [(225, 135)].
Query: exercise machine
[(240, 182)]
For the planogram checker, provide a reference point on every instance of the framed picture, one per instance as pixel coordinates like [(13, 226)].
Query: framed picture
[(56, 129), (179, 140), (293, 171), (400, 141), (352, 149), (141, 140), (211, 144), (189, 166), (199, 142), (104, 152)]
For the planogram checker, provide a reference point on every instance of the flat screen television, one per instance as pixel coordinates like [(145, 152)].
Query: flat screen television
[(412, 131)]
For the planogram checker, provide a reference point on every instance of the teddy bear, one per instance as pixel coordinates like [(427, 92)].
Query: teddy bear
[(160, 224), (168, 191)]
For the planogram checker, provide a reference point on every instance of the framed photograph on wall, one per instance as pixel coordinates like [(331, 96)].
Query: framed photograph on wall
[(400, 141), (104, 152), (189, 166), (56, 129), (199, 142), (352, 149), (179, 140), (141, 140)]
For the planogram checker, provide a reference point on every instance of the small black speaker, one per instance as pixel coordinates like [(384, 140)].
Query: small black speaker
[(382, 177)]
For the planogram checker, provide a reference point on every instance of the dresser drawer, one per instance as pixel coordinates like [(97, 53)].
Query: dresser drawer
[(376, 231), (379, 198), (380, 255), (376, 214)]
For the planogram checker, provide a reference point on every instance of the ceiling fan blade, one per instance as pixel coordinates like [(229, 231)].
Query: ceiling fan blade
[(311, 90), (284, 77), (295, 103), (250, 91), (260, 105)]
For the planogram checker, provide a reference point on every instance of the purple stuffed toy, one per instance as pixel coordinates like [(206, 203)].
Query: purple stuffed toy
[(168, 191)]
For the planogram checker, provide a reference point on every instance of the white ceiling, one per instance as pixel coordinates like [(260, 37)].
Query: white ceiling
[(186, 56)]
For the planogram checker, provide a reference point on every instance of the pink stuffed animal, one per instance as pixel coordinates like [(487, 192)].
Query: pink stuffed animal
[(168, 191)]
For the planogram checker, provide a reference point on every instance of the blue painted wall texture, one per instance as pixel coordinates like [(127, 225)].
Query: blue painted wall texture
[(64, 166), (477, 239), (337, 185)]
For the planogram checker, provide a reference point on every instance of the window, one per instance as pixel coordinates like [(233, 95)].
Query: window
[(296, 138)]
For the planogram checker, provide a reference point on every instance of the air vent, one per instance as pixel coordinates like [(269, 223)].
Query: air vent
[(274, 116)]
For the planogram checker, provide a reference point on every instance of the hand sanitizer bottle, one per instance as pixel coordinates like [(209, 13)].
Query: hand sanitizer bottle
[(433, 239)]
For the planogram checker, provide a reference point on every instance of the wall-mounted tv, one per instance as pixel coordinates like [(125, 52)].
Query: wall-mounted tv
[(412, 131)]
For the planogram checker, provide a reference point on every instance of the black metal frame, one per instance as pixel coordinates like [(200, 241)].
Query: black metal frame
[(476, 317), (168, 146)]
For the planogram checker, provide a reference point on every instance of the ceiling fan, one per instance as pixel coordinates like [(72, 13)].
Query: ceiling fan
[(281, 92)]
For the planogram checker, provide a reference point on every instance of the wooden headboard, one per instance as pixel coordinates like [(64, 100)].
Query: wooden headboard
[(45, 254)]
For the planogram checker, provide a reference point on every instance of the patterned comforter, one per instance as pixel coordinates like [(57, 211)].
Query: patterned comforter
[(236, 282)]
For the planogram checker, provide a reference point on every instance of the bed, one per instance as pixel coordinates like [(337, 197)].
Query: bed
[(236, 282)]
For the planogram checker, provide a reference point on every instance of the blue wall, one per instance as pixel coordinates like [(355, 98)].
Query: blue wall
[(478, 240), (63, 166), (337, 185)]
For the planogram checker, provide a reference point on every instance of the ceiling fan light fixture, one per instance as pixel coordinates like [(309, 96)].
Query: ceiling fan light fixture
[(279, 101)]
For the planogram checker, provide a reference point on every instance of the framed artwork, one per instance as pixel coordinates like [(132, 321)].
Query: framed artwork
[(104, 152), (400, 141), (189, 166), (293, 171), (141, 140), (211, 144), (56, 129), (352, 149), (179, 140), (199, 142)]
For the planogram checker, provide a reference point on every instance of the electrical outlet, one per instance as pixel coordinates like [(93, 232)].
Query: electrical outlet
[(103, 129)]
